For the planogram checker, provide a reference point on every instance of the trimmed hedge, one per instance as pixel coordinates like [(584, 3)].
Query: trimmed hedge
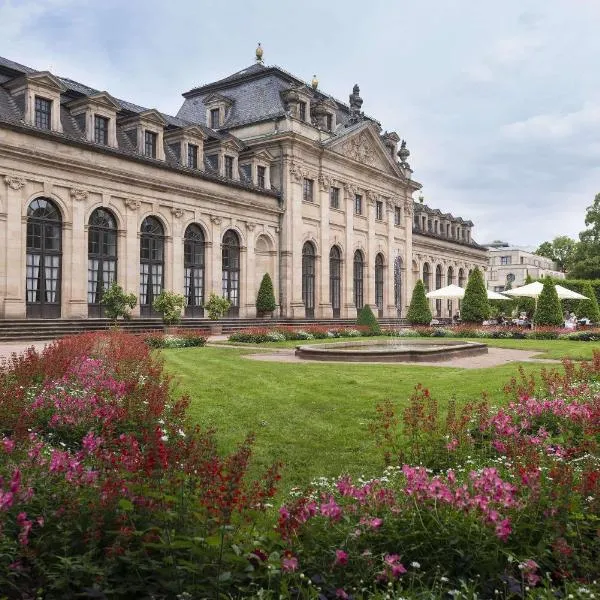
[(588, 308), (549, 310), (578, 285), (265, 299), (475, 307), (366, 318), (419, 312)]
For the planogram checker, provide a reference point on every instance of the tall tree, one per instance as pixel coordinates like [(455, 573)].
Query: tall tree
[(419, 312), (475, 307), (548, 310), (561, 250), (586, 259)]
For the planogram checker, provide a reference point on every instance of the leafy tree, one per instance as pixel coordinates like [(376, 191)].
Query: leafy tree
[(419, 312), (117, 304), (549, 310), (589, 308), (475, 307), (526, 305), (265, 299), (366, 318), (586, 259), (170, 305), (561, 250)]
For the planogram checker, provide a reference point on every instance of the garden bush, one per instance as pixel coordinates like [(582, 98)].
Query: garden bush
[(549, 310), (179, 338), (265, 299), (475, 307), (170, 305), (367, 319), (588, 308), (419, 312)]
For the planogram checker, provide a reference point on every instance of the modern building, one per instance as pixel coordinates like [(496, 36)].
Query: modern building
[(510, 265), (258, 173)]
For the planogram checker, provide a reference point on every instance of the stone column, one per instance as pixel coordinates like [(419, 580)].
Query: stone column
[(176, 282), (249, 276), (409, 285), (322, 299), (293, 225), (130, 263), (15, 247), (244, 258), (348, 309), (216, 283), (76, 297), (369, 274)]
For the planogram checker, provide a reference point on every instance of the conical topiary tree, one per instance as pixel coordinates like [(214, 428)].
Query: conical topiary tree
[(549, 310), (475, 307), (366, 318), (526, 305), (419, 312), (588, 309), (265, 299)]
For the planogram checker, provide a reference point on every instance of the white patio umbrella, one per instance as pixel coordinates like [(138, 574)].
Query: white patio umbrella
[(533, 290), (453, 291)]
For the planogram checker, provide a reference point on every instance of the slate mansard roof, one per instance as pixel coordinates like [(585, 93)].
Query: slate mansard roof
[(12, 114)]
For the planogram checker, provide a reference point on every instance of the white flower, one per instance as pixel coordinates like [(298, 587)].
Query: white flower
[(181, 432), (415, 565), (165, 438)]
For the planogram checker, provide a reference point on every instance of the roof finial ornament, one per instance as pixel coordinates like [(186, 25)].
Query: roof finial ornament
[(314, 83), (403, 154), (259, 54), (355, 104)]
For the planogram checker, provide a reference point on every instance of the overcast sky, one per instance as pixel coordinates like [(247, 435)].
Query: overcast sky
[(499, 101)]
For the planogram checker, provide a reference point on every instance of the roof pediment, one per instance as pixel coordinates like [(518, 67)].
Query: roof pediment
[(153, 116), (217, 99), (43, 79), (103, 99), (362, 144)]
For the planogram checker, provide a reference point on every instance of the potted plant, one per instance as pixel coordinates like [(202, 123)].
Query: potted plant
[(117, 303), (265, 299), (170, 305), (216, 307)]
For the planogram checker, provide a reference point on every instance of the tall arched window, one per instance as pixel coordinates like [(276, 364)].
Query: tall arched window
[(335, 280), (102, 258), (450, 280), (426, 277), (308, 279), (379, 283), (461, 278), (438, 285), (398, 285), (359, 265), (152, 263), (44, 257), (230, 257), (193, 265)]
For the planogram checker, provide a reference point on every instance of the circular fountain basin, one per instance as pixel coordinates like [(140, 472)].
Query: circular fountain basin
[(395, 350)]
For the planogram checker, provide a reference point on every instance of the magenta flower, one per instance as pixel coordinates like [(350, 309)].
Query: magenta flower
[(8, 445), (376, 523), (340, 593), (331, 509), (503, 529), (289, 564), (391, 559), (341, 557)]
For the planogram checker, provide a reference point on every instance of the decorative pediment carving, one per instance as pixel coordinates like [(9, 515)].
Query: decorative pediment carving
[(79, 195), (14, 183), (361, 149)]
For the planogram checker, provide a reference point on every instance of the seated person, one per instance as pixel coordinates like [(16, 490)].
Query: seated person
[(571, 322)]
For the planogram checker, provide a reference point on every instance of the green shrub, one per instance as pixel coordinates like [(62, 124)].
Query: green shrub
[(265, 299), (170, 305), (177, 340), (366, 318), (475, 307), (117, 304), (216, 306), (588, 308), (419, 312), (549, 310)]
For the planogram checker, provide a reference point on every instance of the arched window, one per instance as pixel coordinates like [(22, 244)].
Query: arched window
[(438, 285), (450, 280), (358, 279), (308, 279), (43, 260), (398, 285), (426, 277), (152, 263), (379, 283), (102, 258), (335, 280), (230, 257), (461, 278), (193, 265)]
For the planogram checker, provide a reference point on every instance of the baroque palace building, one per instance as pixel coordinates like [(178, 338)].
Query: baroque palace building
[(258, 173)]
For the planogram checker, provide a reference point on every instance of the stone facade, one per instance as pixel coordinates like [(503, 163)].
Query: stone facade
[(259, 172)]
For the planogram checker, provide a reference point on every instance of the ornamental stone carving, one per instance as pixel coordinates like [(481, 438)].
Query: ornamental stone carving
[(408, 207), (350, 189), (250, 226), (371, 197), (79, 195), (132, 204), (14, 183), (216, 220), (325, 182), (295, 171), (390, 205), (360, 149), (176, 212)]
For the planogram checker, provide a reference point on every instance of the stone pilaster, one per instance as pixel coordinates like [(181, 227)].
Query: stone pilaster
[(176, 279), (130, 263), (388, 276), (250, 275), (348, 308), (323, 309), (75, 287), (215, 283), (408, 272)]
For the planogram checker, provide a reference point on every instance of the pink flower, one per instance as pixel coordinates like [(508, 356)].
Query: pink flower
[(398, 570), (8, 445), (391, 559), (503, 529), (340, 593), (376, 523), (289, 564), (529, 568), (452, 445), (341, 557), (331, 509)]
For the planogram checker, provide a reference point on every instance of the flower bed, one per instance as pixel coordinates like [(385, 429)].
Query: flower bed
[(260, 335), (177, 338)]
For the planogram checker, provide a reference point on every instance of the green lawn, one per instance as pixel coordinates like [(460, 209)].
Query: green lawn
[(315, 417)]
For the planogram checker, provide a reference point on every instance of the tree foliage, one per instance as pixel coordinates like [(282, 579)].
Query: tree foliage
[(475, 307), (585, 263), (170, 305), (549, 310), (561, 250), (589, 308), (265, 299), (366, 318), (419, 312)]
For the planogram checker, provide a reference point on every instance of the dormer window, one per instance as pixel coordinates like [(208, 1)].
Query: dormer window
[(215, 118), (150, 144), (261, 176), (229, 167), (43, 113), (192, 156), (101, 130)]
